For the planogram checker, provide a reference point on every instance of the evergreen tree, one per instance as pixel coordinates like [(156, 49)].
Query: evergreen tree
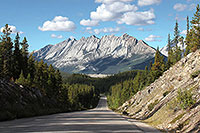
[(6, 53), (158, 65), (21, 80), (24, 52), (29, 80), (188, 25), (16, 58), (51, 89), (170, 52), (176, 34), (1, 59), (193, 36), (31, 66), (196, 26), (176, 50)]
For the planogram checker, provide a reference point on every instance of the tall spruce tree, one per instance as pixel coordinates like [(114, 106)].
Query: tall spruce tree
[(24, 52), (187, 39), (31, 66), (196, 26), (176, 50), (193, 36), (170, 52), (1, 59), (158, 65), (17, 58), (6, 53), (176, 34)]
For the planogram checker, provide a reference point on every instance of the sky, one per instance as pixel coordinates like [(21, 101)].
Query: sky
[(45, 22)]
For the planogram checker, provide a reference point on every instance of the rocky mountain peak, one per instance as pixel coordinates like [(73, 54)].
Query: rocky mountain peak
[(95, 55)]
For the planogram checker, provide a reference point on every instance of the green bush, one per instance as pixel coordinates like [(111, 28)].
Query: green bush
[(195, 74), (177, 118), (185, 99), (152, 105), (166, 93)]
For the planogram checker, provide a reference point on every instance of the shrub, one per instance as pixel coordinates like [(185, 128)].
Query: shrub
[(185, 99), (151, 105), (177, 118), (195, 74), (166, 93)]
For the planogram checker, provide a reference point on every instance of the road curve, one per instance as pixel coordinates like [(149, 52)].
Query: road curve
[(98, 120)]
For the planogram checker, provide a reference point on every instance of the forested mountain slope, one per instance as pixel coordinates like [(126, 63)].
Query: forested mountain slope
[(172, 102)]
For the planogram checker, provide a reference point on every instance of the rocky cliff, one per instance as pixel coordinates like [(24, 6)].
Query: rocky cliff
[(172, 102), (107, 55), (17, 101)]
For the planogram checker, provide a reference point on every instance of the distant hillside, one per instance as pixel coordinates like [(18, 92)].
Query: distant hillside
[(172, 102), (92, 55)]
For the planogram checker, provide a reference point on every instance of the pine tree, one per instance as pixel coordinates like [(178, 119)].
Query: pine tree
[(196, 26), (176, 34), (158, 65), (1, 59), (29, 80), (16, 58), (170, 52), (31, 65), (6, 53), (176, 50), (188, 25), (58, 80), (24, 52), (21, 80), (51, 89)]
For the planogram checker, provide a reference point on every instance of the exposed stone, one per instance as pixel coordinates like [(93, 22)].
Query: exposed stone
[(167, 109)]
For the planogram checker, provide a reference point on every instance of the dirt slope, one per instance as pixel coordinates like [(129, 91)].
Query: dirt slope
[(158, 104)]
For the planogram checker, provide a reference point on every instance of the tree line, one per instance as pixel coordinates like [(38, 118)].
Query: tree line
[(121, 92), (17, 65), (192, 39)]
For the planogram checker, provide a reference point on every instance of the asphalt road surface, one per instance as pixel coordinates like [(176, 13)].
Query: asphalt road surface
[(98, 120)]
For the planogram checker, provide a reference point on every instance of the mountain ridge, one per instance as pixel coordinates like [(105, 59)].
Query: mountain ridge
[(120, 53)]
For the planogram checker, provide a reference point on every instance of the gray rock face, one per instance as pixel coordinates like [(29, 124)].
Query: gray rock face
[(157, 103), (110, 54)]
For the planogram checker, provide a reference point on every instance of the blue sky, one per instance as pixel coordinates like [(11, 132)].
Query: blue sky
[(46, 22)]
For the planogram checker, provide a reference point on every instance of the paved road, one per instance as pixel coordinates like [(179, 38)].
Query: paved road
[(99, 120)]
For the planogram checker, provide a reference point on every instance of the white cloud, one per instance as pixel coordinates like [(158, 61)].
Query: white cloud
[(56, 36), (106, 30), (111, 1), (142, 29), (59, 23), (184, 32), (120, 11), (111, 12), (88, 28), (89, 22), (180, 7), (138, 18), (152, 38), (13, 29), (192, 6), (148, 2)]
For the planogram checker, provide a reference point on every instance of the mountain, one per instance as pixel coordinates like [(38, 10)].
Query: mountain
[(164, 50), (107, 55), (172, 102)]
